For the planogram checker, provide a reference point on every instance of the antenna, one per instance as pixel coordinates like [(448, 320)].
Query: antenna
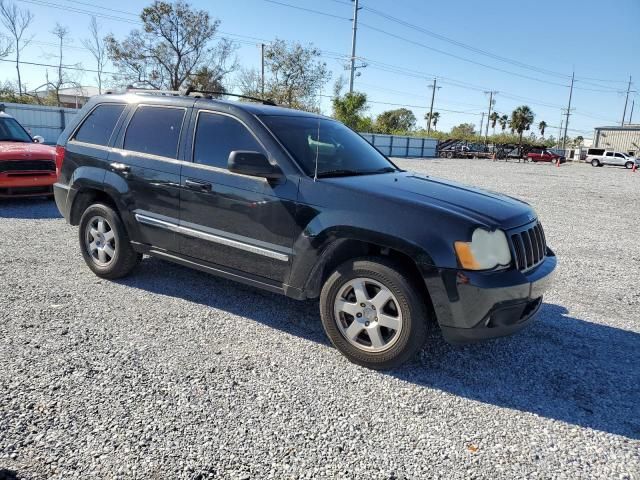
[(315, 174)]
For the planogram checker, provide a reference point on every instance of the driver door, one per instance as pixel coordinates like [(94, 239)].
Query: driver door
[(240, 222)]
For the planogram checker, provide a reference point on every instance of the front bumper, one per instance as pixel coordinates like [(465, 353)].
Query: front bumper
[(474, 306), (26, 184)]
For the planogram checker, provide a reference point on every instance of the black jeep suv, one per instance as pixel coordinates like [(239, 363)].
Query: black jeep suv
[(297, 203)]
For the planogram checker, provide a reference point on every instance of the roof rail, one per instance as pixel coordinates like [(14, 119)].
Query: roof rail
[(150, 91), (264, 101)]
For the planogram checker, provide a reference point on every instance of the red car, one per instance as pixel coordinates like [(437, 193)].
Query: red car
[(27, 168), (545, 156)]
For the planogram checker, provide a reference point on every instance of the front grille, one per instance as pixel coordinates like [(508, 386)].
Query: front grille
[(529, 246), (27, 166)]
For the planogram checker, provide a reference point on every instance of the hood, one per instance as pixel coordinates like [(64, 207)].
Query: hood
[(489, 208), (26, 151)]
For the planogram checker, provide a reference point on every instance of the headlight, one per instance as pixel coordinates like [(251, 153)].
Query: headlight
[(485, 251)]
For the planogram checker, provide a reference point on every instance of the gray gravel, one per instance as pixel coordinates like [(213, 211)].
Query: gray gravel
[(172, 373)]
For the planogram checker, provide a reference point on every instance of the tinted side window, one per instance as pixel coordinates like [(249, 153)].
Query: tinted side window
[(99, 124), (155, 130), (217, 136)]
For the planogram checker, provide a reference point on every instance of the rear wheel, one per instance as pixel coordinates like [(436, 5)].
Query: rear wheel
[(595, 162), (104, 243), (373, 313)]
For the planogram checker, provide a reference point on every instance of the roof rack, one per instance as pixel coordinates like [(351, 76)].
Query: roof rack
[(150, 91), (264, 101)]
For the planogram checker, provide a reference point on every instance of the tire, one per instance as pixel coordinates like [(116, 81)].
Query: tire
[(595, 162), (449, 155), (107, 251), (404, 308), (628, 165)]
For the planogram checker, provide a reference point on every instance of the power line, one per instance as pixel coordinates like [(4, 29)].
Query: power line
[(318, 12), (443, 52)]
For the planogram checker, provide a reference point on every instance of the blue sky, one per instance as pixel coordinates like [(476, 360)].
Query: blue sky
[(541, 42)]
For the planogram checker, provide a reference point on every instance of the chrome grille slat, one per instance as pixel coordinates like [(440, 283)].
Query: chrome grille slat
[(528, 246)]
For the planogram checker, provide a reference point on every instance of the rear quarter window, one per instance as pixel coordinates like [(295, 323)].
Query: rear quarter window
[(98, 126), (155, 131)]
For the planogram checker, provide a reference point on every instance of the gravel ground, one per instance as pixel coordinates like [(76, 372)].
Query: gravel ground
[(172, 373)]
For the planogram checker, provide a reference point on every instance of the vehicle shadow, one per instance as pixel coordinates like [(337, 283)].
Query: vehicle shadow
[(35, 208), (561, 367)]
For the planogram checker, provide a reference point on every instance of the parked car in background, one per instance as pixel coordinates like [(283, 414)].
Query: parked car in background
[(599, 157), (27, 167), (544, 155), (299, 204)]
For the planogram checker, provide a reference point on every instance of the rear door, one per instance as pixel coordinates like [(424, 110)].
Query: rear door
[(609, 159), (146, 167), (236, 221)]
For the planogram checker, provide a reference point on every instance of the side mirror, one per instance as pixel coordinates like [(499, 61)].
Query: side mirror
[(38, 139), (254, 164)]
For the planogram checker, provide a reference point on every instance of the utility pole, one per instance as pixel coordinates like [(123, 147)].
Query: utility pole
[(433, 95), (486, 135), (633, 103), (566, 124), (626, 100), (353, 45), (262, 76), (482, 123), (560, 127)]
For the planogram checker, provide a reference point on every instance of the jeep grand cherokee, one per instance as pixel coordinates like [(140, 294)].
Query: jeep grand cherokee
[(297, 203)]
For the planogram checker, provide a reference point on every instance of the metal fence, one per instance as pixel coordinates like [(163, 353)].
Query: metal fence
[(48, 122), (402, 146)]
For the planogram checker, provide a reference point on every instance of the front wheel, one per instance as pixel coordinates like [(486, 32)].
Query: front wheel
[(104, 243), (373, 314), (628, 165)]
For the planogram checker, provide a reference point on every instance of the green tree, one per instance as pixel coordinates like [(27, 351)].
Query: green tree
[(350, 108), (432, 118), (400, 120), (493, 118), (464, 131), (175, 42), (542, 126), (294, 75), (521, 120), (504, 121), (578, 141)]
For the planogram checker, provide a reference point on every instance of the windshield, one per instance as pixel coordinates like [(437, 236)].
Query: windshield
[(339, 151), (12, 131)]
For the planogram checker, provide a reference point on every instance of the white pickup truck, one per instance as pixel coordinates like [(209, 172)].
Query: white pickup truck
[(598, 157)]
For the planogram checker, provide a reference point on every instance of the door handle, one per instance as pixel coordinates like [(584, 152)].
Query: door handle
[(195, 185), (120, 167)]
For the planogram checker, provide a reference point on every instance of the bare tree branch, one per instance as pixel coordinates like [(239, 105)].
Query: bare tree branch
[(97, 46), (16, 20)]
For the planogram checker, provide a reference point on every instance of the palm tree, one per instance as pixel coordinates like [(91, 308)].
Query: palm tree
[(504, 120), (432, 118), (578, 140), (521, 120), (541, 126), (493, 118)]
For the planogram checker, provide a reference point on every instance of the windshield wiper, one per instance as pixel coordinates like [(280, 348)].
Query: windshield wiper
[(347, 173), (339, 173)]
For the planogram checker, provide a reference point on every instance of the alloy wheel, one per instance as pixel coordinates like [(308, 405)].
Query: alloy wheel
[(368, 315), (100, 240)]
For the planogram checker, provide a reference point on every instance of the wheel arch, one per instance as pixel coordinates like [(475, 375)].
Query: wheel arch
[(414, 261)]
